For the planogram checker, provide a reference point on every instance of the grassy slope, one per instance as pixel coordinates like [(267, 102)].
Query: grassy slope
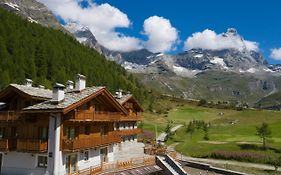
[(223, 135), (271, 101), (214, 86)]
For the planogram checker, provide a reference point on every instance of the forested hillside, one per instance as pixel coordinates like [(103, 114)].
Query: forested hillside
[(28, 50)]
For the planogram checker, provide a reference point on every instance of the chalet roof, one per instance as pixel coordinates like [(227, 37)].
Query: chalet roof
[(33, 91), (71, 97), (128, 97), (124, 98)]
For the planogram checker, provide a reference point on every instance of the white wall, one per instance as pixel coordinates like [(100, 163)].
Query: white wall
[(94, 159), (110, 153), (16, 163), (56, 161)]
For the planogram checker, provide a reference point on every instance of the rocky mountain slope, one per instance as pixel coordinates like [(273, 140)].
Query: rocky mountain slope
[(185, 64), (272, 101), (33, 11), (240, 76)]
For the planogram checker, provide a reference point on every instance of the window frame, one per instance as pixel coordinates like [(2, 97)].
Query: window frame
[(86, 155), (45, 161)]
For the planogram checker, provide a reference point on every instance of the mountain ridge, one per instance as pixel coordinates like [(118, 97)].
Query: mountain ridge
[(226, 74)]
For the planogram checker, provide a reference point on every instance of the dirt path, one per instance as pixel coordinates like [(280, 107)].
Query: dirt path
[(163, 135)]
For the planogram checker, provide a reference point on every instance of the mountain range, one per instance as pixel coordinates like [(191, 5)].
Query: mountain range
[(228, 75)]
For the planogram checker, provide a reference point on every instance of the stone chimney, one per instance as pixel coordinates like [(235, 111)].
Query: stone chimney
[(80, 83), (28, 82), (58, 92), (69, 85)]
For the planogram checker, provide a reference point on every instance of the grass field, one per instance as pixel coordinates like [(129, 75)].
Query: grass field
[(230, 131)]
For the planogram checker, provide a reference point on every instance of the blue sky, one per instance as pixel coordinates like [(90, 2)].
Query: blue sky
[(257, 21)]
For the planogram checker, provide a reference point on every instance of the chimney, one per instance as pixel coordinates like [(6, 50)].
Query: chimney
[(119, 94), (80, 83), (58, 92), (69, 85), (28, 82)]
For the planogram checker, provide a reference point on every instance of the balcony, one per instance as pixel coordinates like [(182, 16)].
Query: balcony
[(90, 142), (119, 166), (127, 132), (9, 116), (132, 117), (8, 144), (32, 145), (95, 116)]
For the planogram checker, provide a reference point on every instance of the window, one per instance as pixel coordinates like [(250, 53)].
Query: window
[(43, 133), (86, 155), (103, 130), (103, 153), (42, 161), (14, 133), (70, 132), (87, 130), (2, 132), (71, 163)]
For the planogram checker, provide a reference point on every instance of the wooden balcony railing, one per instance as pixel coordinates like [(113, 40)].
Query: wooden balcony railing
[(9, 115), (90, 142), (100, 116), (32, 145), (126, 132), (118, 166), (8, 144), (95, 116), (107, 116), (132, 117)]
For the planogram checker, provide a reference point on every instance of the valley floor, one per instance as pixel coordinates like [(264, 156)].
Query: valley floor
[(231, 132)]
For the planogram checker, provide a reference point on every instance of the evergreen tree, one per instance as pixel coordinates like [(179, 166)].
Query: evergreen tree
[(29, 50), (264, 133)]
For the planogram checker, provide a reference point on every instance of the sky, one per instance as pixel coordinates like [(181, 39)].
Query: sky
[(178, 25)]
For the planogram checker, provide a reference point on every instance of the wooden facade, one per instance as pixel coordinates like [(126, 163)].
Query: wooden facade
[(90, 123)]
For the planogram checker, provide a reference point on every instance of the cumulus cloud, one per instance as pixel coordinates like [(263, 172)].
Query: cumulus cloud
[(209, 39), (276, 54), (162, 36), (101, 19)]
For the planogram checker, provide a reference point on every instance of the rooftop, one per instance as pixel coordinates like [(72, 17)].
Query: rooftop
[(124, 98), (70, 98), (34, 91)]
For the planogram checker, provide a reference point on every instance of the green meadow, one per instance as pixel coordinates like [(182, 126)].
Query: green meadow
[(231, 132)]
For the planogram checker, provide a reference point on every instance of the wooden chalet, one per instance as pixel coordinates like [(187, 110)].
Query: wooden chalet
[(64, 130)]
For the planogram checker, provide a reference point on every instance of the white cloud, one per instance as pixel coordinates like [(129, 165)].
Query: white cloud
[(102, 20), (276, 53), (162, 36), (209, 39)]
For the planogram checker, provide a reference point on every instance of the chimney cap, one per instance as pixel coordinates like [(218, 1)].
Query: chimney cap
[(28, 80), (41, 86), (58, 86), (69, 82), (80, 76)]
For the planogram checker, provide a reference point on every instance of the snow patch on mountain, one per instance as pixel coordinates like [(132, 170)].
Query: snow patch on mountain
[(184, 72), (82, 39), (133, 67), (198, 56), (14, 6), (32, 20), (219, 61), (252, 70)]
